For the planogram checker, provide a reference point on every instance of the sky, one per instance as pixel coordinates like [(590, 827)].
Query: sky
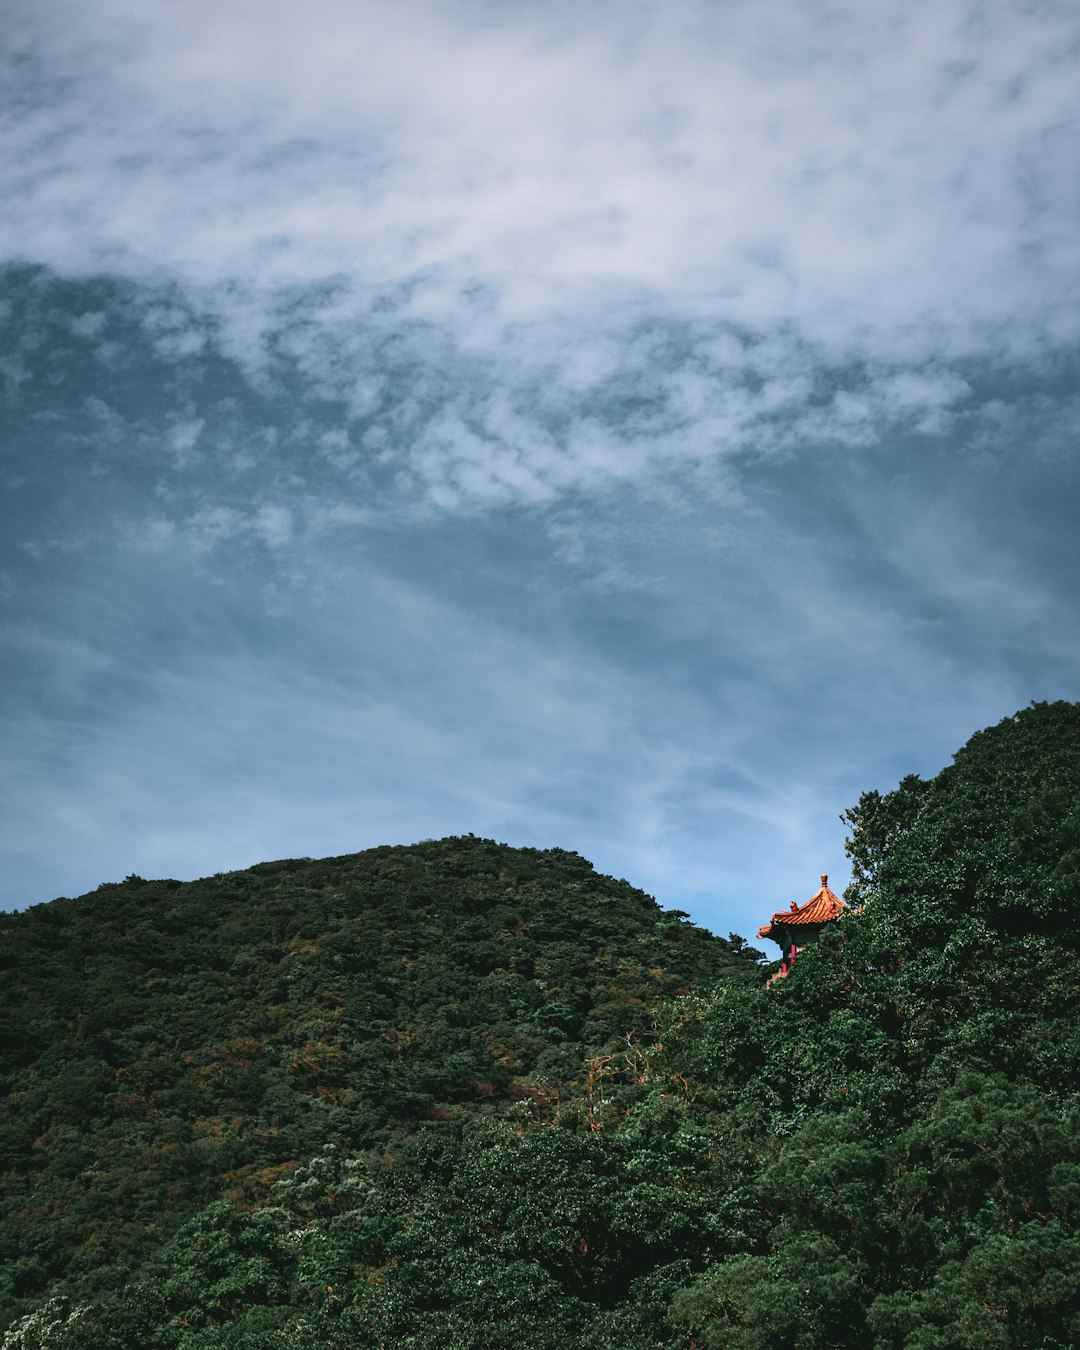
[(632, 427)]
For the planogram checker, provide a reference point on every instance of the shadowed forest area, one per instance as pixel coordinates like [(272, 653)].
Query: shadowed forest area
[(464, 1095)]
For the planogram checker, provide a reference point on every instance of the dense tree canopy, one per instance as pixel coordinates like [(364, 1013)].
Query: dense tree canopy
[(467, 1096), (168, 1045)]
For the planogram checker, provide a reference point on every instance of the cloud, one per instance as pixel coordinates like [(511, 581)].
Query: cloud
[(632, 426), (719, 209), (415, 711), (699, 732)]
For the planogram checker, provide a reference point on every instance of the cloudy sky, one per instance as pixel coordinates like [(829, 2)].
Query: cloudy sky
[(633, 427)]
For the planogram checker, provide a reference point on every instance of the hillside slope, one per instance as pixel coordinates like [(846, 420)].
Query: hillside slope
[(168, 1044), (450, 1143)]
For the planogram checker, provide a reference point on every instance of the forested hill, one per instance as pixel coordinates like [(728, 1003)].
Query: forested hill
[(168, 1044), (462, 1097)]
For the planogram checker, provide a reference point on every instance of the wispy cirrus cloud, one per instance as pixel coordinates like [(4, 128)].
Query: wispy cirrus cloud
[(660, 234), (635, 426)]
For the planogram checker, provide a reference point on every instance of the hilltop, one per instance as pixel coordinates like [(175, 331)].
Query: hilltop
[(167, 1044), (464, 1097)]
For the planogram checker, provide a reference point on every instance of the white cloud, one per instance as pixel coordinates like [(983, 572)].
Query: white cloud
[(472, 255), (182, 438), (273, 525), (89, 324), (713, 206)]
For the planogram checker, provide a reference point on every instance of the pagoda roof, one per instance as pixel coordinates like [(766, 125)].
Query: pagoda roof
[(822, 907)]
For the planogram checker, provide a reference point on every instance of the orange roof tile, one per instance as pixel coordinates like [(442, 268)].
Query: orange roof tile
[(820, 908)]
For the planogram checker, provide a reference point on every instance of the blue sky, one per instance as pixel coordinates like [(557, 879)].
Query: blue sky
[(637, 427)]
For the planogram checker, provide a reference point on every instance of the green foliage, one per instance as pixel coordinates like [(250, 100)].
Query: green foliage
[(467, 1096), (170, 1045), (877, 824), (916, 1077), (225, 1261)]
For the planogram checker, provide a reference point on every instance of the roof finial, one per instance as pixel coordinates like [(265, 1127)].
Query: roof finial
[(824, 880)]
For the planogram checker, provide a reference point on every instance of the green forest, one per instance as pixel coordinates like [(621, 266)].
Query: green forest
[(462, 1095)]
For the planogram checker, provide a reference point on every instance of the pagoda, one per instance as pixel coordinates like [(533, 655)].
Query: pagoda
[(795, 928)]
